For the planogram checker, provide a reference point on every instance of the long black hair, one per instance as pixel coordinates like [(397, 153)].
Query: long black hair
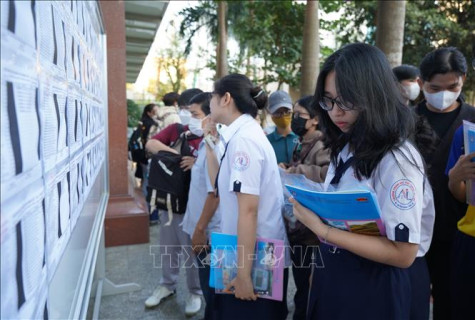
[(306, 102), (364, 79), (247, 97), (148, 108)]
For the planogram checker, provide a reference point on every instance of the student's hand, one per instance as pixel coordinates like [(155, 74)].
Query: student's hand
[(464, 169), (187, 162), (209, 127), (283, 165), (243, 288), (308, 218), (199, 241)]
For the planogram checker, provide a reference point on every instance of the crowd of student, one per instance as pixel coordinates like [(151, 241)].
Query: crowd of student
[(395, 131)]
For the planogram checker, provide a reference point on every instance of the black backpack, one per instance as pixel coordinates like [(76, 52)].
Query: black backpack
[(135, 145), (168, 184)]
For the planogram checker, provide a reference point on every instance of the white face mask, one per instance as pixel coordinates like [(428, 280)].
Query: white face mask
[(195, 126), (442, 99), (412, 91), (185, 116)]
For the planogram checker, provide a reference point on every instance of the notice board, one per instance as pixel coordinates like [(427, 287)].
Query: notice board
[(54, 175)]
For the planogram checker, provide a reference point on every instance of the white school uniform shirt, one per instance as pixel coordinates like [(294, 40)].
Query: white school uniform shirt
[(403, 191), (249, 166), (200, 186)]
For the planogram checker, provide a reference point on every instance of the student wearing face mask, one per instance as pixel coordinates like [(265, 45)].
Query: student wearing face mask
[(283, 140), (201, 199), (443, 73), (173, 238), (183, 104), (310, 158), (407, 76)]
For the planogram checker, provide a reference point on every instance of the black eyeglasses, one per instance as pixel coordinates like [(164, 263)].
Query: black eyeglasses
[(328, 103)]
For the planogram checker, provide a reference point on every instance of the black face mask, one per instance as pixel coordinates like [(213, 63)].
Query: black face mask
[(298, 126)]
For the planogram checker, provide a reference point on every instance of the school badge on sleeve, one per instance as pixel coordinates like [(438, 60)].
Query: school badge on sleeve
[(403, 194), (241, 161)]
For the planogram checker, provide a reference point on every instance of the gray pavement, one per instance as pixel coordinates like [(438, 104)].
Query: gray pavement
[(134, 263)]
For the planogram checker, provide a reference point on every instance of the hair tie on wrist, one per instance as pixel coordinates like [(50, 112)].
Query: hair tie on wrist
[(258, 94)]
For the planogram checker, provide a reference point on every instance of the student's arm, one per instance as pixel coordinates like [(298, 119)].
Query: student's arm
[(464, 169), (161, 140), (154, 146), (213, 164), (199, 239), (378, 249), (247, 225)]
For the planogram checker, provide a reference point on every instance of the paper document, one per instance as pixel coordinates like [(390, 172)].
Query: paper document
[(354, 211)]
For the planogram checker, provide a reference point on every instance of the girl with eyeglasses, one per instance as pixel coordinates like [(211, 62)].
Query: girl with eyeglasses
[(368, 130)]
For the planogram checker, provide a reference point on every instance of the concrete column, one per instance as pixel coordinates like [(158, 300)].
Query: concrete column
[(127, 215)]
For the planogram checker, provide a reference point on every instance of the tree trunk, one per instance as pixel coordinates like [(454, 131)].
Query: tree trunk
[(221, 57), (390, 29), (310, 50)]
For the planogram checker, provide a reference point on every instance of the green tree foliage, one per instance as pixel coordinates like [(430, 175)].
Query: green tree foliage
[(195, 18), (269, 32), (428, 25), (273, 33), (133, 113)]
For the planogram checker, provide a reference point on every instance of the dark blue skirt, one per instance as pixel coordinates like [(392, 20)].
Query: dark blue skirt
[(230, 308), (347, 286)]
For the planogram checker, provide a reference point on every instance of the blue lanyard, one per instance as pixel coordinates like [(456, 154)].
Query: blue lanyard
[(219, 169), (340, 169)]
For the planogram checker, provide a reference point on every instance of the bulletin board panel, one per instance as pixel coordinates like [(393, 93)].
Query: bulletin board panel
[(54, 174)]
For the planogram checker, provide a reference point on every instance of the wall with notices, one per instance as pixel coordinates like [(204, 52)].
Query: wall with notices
[(53, 150)]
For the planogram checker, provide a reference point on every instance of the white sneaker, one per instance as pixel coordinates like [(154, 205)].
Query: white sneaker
[(157, 296), (193, 305)]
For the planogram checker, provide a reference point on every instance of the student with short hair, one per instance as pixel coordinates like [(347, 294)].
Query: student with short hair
[(368, 129), (168, 114), (443, 72), (172, 237), (184, 112), (407, 75), (201, 217)]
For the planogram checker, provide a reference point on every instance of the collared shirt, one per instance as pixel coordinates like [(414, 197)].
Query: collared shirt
[(249, 166), (283, 146), (200, 186), (403, 191)]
